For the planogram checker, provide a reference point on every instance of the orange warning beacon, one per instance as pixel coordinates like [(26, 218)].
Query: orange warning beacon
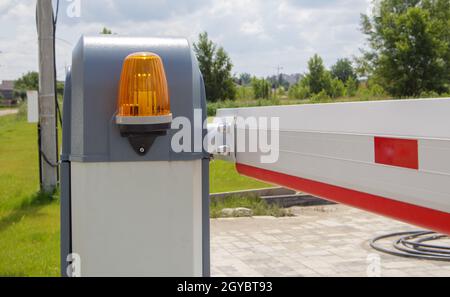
[(143, 101)]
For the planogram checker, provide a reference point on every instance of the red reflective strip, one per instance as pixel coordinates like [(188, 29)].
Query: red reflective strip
[(397, 152), (425, 217)]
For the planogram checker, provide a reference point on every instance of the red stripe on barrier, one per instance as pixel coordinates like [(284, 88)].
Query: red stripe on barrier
[(397, 152), (425, 217)]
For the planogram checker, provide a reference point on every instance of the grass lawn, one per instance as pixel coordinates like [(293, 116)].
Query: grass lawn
[(29, 223), (224, 178)]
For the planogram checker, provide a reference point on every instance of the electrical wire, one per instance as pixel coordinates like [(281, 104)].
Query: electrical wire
[(55, 19), (415, 244)]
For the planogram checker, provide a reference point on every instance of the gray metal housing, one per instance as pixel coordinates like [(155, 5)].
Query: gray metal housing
[(96, 68), (90, 133)]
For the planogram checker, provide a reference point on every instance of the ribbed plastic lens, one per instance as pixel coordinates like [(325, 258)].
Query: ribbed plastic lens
[(143, 87)]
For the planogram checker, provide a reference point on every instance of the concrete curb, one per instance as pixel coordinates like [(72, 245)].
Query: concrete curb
[(283, 197)]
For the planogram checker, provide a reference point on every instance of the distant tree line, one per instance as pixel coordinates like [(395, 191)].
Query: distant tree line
[(409, 44), (30, 82), (408, 55), (320, 83)]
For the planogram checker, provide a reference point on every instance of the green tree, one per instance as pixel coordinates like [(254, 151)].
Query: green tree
[(280, 92), (205, 50), (224, 83), (106, 31), (261, 88), (343, 70), (28, 82), (337, 88), (409, 45), (299, 90), (351, 87), (60, 88), (317, 78), (321, 97), (215, 66), (245, 79), (244, 93)]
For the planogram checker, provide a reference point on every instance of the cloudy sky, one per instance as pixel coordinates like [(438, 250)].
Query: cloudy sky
[(259, 35)]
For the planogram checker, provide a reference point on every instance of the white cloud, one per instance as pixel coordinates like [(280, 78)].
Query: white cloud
[(252, 28), (258, 35), (5, 5)]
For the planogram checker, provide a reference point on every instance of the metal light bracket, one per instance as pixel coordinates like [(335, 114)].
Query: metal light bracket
[(143, 131)]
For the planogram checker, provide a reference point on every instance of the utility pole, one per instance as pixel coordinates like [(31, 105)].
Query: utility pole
[(47, 101), (279, 68)]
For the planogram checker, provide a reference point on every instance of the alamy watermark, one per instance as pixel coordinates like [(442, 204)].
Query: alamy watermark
[(258, 135), (73, 8), (373, 265), (74, 265)]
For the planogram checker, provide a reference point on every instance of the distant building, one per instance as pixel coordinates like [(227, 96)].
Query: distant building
[(7, 97), (7, 89)]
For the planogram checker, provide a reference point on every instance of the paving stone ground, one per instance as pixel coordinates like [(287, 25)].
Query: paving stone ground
[(318, 241)]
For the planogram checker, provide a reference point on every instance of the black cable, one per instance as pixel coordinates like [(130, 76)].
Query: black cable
[(55, 19), (415, 244), (44, 157), (40, 154)]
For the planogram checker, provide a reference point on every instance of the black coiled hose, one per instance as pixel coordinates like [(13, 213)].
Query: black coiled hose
[(415, 244)]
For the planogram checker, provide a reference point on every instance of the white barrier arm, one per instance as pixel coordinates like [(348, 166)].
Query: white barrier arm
[(387, 157)]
